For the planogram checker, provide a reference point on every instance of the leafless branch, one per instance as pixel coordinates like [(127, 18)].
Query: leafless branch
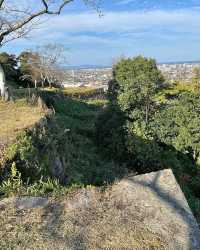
[(1, 3), (14, 20)]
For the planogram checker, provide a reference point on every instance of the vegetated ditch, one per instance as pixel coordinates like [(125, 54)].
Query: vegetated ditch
[(61, 146)]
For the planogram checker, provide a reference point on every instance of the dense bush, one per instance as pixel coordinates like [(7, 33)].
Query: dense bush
[(158, 131), (148, 128), (178, 124), (25, 153)]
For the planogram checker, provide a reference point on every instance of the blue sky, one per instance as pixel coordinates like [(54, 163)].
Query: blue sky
[(167, 30)]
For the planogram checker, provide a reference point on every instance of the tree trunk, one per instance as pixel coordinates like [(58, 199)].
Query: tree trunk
[(35, 82), (2, 83)]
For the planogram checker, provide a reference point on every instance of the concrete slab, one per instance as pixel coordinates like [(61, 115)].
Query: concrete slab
[(162, 206)]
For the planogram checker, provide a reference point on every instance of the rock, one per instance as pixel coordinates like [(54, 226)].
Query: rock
[(30, 202), (41, 104), (57, 169), (6, 96), (22, 203), (82, 200), (4, 90)]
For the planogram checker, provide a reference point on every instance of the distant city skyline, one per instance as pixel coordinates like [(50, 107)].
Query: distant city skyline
[(168, 31), (93, 66), (99, 76)]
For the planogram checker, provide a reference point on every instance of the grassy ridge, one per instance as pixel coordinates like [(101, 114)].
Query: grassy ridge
[(17, 116)]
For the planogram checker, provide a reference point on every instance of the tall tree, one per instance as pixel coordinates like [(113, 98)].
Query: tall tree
[(132, 93), (30, 67), (138, 80)]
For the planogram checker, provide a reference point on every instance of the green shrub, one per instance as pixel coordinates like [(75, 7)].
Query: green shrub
[(178, 123), (13, 185), (25, 154), (44, 187)]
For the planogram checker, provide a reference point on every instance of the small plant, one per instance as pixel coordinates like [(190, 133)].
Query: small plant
[(13, 184), (44, 187)]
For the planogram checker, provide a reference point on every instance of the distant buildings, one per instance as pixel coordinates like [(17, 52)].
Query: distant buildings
[(88, 77), (99, 77), (173, 72)]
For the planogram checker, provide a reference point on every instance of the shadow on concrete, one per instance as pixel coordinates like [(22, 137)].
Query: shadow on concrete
[(178, 206), (52, 228)]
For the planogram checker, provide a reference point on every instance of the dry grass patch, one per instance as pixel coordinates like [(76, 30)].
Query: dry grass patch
[(89, 220), (16, 116)]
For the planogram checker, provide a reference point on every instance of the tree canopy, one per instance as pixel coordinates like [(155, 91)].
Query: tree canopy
[(178, 125), (137, 81)]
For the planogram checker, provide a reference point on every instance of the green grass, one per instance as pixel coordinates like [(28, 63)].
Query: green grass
[(79, 92), (73, 92)]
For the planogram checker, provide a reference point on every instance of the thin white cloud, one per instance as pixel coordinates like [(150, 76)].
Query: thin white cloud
[(121, 32), (115, 25), (119, 22), (124, 2), (127, 2)]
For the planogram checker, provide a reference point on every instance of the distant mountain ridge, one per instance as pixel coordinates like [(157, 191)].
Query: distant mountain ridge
[(181, 62), (88, 66)]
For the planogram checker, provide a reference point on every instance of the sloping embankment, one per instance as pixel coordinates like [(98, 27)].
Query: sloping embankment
[(15, 117)]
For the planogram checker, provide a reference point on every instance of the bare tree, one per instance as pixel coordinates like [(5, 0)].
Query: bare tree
[(52, 57), (18, 17), (35, 68), (44, 66)]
